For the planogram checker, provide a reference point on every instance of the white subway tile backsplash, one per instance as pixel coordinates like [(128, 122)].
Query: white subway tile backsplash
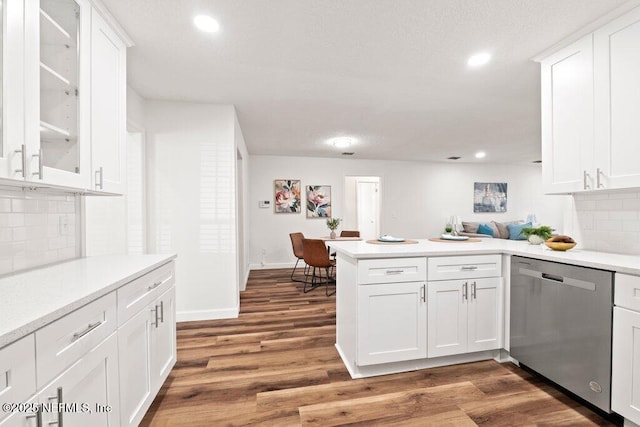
[(608, 222), (30, 232)]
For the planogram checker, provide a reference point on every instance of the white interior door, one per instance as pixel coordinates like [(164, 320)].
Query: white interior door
[(368, 208)]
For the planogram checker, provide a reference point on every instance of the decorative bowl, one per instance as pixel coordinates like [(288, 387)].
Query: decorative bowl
[(559, 246)]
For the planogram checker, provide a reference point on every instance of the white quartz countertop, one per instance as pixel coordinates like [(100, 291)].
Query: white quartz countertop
[(32, 299), (606, 261)]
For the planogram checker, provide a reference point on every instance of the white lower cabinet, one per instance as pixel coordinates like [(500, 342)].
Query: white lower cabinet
[(147, 353), (464, 316), (391, 322), (134, 342), (87, 391), (625, 364), (163, 338)]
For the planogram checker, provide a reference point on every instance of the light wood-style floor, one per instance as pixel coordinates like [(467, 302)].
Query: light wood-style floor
[(276, 365)]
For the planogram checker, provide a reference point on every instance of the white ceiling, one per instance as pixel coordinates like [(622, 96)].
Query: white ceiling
[(391, 73)]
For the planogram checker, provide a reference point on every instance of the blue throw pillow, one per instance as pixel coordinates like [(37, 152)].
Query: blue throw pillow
[(485, 229), (515, 231)]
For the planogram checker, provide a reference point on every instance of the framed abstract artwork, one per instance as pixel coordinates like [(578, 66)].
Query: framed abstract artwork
[(286, 194), (490, 197), (318, 201)]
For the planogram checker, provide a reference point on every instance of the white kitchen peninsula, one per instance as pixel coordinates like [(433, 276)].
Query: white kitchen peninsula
[(404, 307)]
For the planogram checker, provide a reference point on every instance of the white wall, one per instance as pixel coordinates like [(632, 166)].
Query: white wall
[(607, 222), (135, 107), (37, 229), (242, 205), (417, 198), (191, 162)]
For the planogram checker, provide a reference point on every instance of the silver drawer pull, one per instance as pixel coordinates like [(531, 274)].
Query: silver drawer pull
[(155, 285), (395, 271), (37, 416), (90, 328), (469, 267)]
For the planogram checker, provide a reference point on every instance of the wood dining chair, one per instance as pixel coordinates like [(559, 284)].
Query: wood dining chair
[(296, 245), (349, 233), (316, 256)]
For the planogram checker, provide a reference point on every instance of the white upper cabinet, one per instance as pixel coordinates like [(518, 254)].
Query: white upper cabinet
[(12, 91), (617, 102), (108, 107), (590, 110), (567, 118), (57, 115), (63, 97)]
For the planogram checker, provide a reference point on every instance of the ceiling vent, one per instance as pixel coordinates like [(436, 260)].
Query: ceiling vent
[(346, 153), (454, 158), (537, 161)]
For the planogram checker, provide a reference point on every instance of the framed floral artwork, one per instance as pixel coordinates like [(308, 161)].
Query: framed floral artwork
[(318, 201), (286, 194)]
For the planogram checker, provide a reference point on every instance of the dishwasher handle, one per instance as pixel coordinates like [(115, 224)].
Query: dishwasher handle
[(552, 277)]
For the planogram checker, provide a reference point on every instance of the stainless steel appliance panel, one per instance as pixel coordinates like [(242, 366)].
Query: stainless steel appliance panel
[(561, 318)]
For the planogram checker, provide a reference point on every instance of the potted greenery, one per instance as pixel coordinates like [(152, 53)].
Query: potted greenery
[(537, 235), (333, 223)]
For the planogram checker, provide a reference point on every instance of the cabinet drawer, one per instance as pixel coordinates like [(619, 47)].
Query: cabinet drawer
[(17, 372), (63, 342), (464, 267), (627, 291), (136, 295), (391, 270)]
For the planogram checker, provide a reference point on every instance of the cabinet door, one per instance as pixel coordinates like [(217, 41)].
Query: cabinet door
[(163, 338), (134, 356), (617, 106), (89, 390), (57, 121), (625, 382), (447, 320), (12, 91), (23, 419), (108, 98), (391, 322), (567, 118), (484, 314)]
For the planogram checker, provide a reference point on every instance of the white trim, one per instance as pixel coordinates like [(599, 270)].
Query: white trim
[(271, 266), (587, 29), (113, 23), (220, 313)]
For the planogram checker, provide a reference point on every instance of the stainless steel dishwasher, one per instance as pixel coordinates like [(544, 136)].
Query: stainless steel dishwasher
[(561, 325)]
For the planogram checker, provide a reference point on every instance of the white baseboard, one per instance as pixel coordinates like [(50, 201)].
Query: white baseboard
[(221, 313), (273, 266)]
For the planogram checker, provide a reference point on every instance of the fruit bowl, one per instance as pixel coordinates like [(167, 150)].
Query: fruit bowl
[(559, 246)]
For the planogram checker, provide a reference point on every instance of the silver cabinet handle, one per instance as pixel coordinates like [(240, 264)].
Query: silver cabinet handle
[(464, 291), (394, 271), (469, 267), (37, 416), (154, 310), (23, 152), (89, 328), (423, 293), (473, 290), (162, 311), (40, 164), (155, 285), (58, 397), (598, 183), (585, 183), (99, 183)]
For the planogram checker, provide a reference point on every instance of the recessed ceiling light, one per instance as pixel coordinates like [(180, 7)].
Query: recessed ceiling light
[(480, 155), (479, 59), (206, 24), (341, 141)]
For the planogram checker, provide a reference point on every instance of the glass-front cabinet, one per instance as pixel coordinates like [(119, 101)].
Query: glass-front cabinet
[(57, 92), (63, 97)]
